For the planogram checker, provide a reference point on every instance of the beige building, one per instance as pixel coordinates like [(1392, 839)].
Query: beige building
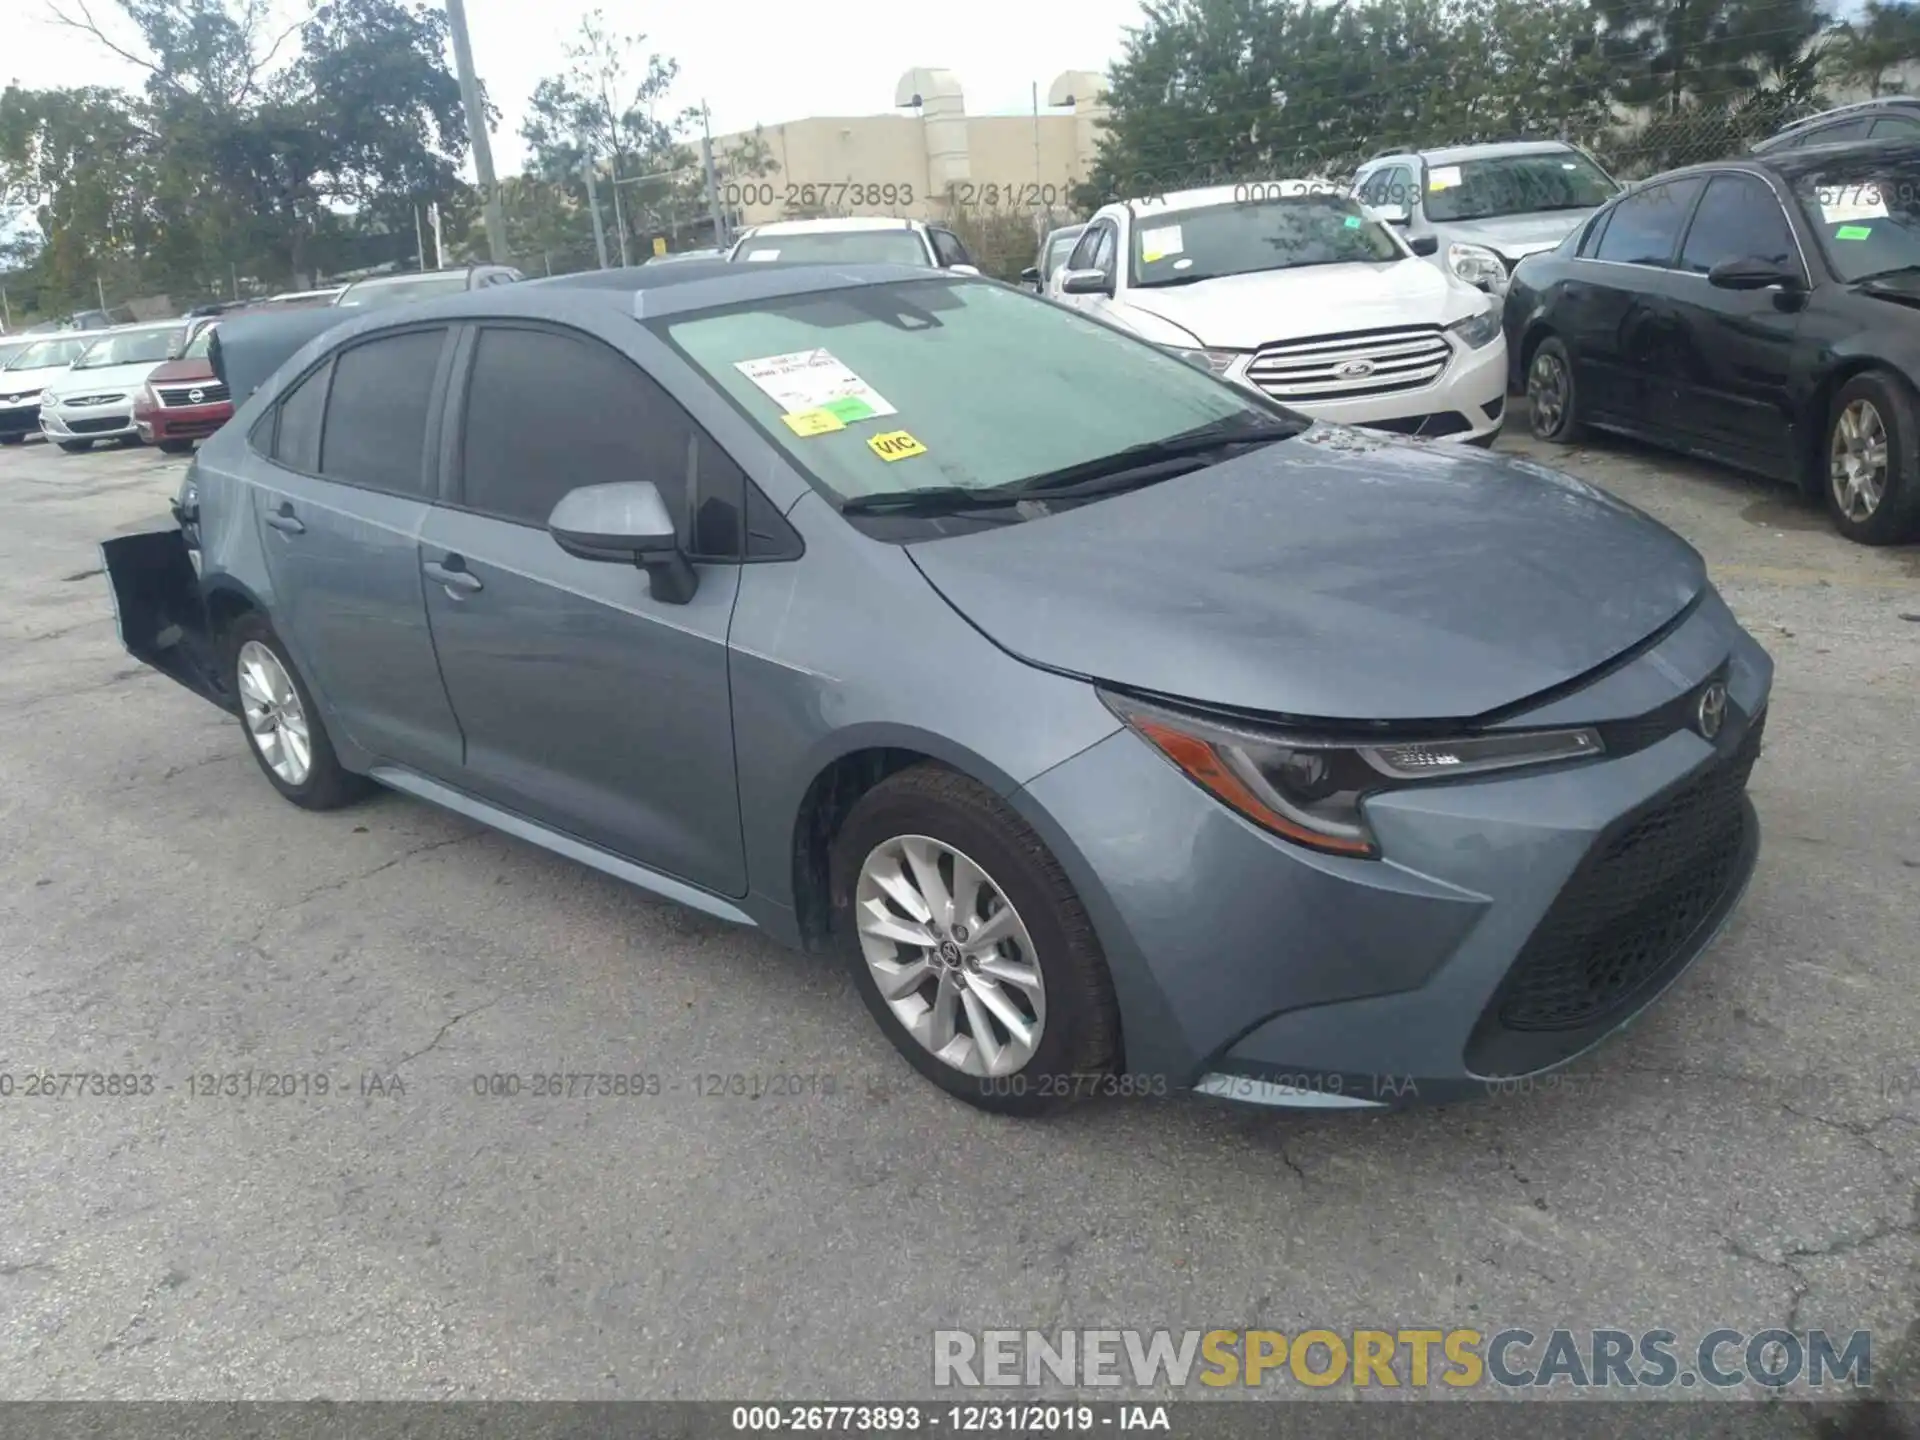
[(922, 161)]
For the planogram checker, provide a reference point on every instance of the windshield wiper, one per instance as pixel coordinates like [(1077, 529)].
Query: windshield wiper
[(928, 500), (1883, 274), (1155, 459)]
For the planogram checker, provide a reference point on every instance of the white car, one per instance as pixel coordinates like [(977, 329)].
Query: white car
[(856, 240), (93, 398), (1292, 289), (29, 372)]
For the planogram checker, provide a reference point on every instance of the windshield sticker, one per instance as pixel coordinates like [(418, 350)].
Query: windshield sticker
[(1444, 177), (763, 255), (895, 445), (1353, 222), (1159, 243), (1841, 203), (813, 422), (849, 408), (1854, 232), (810, 380)]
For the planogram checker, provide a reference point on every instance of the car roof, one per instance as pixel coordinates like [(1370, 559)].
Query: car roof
[(1491, 150), (401, 276), (838, 222), (1839, 112), (1800, 161)]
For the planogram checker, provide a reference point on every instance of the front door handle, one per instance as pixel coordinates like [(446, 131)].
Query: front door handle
[(454, 574), (286, 521)]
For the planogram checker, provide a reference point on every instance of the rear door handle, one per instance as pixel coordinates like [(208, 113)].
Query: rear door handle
[(454, 574), (286, 521)]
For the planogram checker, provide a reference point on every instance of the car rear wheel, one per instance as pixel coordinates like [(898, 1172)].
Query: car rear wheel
[(970, 947), (74, 447), (1552, 408), (283, 725), (1872, 451)]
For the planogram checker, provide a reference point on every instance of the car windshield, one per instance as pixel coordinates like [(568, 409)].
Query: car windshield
[(1866, 211), (1264, 232), (397, 292), (1058, 248), (1515, 185), (202, 344), (838, 247), (129, 347), (968, 385), (47, 354)]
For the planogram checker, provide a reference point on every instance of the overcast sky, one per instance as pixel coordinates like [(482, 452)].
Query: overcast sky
[(752, 61)]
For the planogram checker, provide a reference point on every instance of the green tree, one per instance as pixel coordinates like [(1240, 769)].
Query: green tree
[(1672, 53), (1881, 38)]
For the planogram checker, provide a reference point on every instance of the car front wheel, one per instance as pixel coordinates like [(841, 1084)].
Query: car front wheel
[(284, 728), (1872, 452), (970, 946), (1552, 411), (175, 447)]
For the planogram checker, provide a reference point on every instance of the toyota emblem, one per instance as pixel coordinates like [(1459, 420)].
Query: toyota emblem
[(196, 396), (1353, 369), (1712, 713)]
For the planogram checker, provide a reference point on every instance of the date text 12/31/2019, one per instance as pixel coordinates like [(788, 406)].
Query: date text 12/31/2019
[(832, 195)]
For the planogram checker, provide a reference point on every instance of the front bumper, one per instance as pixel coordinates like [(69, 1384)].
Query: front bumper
[(90, 422), (1500, 937), (180, 422), (1467, 403), (20, 419)]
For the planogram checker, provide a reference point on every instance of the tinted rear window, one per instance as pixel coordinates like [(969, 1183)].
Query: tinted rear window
[(376, 428)]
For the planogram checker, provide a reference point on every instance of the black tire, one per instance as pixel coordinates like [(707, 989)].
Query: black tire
[(1079, 1042), (175, 447), (1551, 418), (75, 447), (327, 785), (1896, 517)]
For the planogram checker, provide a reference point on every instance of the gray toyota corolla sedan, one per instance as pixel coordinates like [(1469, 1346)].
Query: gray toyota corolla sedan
[(1127, 732)]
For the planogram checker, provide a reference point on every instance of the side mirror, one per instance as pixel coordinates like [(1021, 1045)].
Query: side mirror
[(628, 524), (964, 269), (1031, 276), (1086, 282), (1424, 244), (1753, 273), (1399, 214)]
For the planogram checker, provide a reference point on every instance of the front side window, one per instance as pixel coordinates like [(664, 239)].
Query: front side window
[(129, 347), (1515, 185), (376, 427), (1283, 232), (1866, 213), (948, 249), (878, 389), (1644, 228), (605, 421), (1895, 127), (1390, 186), (838, 247), (1738, 219), (1058, 248)]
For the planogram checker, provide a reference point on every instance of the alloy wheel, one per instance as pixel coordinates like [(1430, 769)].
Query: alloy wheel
[(276, 721), (1546, 393), (1858, 460), (950, 955)]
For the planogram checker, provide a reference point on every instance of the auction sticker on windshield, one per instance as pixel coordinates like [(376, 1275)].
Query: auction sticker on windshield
[(896, 445), (1443, 177), (1841, 203), (813, 380), (1160, 243), (813, 422)]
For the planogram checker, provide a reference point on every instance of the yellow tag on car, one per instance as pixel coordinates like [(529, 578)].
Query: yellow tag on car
[(895, 445), (813, 422)]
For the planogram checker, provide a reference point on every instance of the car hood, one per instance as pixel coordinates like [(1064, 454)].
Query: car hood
[(25, 382), (105, 379), (1516, 235), (181, 372), (1339, 575), (1244, 312)]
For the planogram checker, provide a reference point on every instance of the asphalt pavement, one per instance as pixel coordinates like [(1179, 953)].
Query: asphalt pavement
[(1747, 1155)]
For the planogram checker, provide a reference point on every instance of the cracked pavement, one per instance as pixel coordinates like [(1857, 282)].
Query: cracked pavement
[(1746, 1156)]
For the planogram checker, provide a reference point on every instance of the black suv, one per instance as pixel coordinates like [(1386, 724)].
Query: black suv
[(1890, 117)]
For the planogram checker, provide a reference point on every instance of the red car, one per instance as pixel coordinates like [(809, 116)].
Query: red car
[(182, 401)]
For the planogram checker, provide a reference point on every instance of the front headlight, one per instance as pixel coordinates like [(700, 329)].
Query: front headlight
[(1214, 362), (1477, 265), (1478, 330), (1310, 789)]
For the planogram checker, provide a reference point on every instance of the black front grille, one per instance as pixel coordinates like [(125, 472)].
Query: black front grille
[(98, 425), (1631, 907)]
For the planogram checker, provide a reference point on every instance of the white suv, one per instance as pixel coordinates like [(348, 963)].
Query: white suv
[(856, 240), (1292, 289)]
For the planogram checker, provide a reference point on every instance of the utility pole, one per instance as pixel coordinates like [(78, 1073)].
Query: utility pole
[(439, 246), (477, 129), (419, 240), (713, 180), (101, 289), (593, 204), (619, 218), (6, 310)]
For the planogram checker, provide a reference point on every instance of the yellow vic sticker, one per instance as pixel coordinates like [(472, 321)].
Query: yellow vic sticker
[(895, 445), (813, 422)]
